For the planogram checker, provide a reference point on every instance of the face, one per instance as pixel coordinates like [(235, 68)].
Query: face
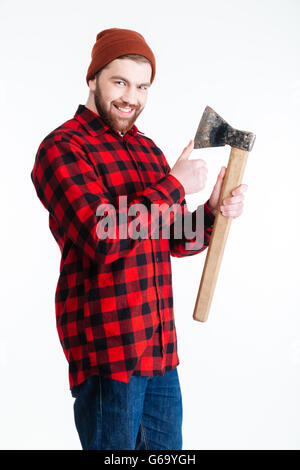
[(123, 83)]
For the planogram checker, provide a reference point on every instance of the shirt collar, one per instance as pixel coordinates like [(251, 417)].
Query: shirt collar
[(95, 125)]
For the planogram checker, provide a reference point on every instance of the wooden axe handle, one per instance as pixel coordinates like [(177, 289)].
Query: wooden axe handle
[(232, 179)]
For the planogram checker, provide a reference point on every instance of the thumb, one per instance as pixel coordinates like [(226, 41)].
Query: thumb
[(187, 150), (222, 173), (220, 178), (215, 195)]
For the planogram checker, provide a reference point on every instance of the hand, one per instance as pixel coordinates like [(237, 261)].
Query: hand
[(192, 174), (232, 206)]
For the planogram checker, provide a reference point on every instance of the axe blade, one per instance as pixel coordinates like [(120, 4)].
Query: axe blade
[(211, 131), (214, 131)]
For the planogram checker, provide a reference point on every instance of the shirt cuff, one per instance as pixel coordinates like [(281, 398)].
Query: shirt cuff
[(209, 217), (166, 189)]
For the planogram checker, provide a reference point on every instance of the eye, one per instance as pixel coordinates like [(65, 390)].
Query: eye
[(119, 81)]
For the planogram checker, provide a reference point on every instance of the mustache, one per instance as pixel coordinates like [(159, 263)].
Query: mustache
[(122, 105)]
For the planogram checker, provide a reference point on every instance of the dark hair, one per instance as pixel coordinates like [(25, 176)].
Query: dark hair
[(135, 57)]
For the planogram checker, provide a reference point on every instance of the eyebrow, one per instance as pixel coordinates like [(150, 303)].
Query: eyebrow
[(124, 80)]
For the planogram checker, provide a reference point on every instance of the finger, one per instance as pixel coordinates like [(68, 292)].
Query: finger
[(199, 162), (240, 189), (222, 172), (231, 207), (233, 212), (234, 199), (187, 150), (219, 182), (234, 215)]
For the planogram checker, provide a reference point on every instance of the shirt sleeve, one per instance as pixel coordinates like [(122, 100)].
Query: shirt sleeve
[(201, 222), (74, 194)]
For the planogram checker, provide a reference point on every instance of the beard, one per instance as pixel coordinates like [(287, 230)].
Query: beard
[(109, 116)]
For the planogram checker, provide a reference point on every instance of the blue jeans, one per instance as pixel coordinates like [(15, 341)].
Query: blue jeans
[(145, 413)]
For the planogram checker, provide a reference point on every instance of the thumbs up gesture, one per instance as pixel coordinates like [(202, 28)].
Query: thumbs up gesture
[(192, 174)]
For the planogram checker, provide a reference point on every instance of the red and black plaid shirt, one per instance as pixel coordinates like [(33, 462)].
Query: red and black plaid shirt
[(114, 300)]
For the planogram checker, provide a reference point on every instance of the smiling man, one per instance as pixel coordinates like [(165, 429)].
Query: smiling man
[(114, 299), (119, 100)]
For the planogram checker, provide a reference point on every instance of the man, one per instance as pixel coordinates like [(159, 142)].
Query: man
[(114, 300)]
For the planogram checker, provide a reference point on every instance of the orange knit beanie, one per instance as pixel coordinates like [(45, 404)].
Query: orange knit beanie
[(115, 42)]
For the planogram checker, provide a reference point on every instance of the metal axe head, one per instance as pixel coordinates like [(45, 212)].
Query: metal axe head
[(213, 131)]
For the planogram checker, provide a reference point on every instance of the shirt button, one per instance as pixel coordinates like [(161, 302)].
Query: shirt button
[(157, 258)]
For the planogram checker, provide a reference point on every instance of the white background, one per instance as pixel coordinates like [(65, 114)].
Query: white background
[(240, 370)]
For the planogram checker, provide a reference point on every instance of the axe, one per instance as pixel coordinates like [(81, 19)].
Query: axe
[(213, 131)]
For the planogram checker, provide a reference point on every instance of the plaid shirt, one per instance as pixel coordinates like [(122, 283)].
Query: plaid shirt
[(114, 300)]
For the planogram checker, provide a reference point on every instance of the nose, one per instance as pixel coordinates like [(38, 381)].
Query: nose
[(129, 96)]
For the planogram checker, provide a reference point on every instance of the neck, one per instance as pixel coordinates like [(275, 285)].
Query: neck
[(90, 104)]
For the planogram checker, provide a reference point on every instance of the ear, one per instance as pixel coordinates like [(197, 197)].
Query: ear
[(92, 84)]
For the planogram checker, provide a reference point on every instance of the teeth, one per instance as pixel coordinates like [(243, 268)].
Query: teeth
[(125, 110)]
